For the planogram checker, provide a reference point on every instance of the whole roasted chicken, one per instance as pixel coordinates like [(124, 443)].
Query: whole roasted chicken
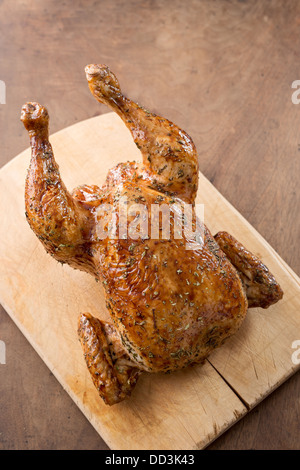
[(172, 299)]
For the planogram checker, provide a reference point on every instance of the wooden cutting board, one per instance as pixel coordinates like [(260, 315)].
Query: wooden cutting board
[(185, 410)]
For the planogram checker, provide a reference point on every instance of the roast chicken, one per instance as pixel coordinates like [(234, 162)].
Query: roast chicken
[(172, 299)]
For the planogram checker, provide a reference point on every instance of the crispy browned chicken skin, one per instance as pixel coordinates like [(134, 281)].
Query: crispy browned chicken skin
[(170, 305)]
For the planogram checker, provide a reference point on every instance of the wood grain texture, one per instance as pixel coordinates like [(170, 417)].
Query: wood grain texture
[(222, 71), (45, 299)]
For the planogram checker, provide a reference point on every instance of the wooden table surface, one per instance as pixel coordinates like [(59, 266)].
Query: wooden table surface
[(223, 71)]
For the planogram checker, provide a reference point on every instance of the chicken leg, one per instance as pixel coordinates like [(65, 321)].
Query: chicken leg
[(169, 154), (60, 222)]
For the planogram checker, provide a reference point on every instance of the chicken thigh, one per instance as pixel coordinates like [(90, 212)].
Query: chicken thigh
[(174, 295)]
